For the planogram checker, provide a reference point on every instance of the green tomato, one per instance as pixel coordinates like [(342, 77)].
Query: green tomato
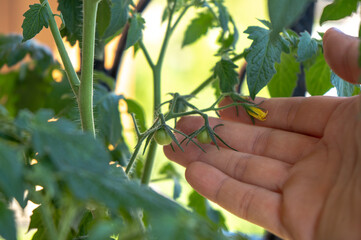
[(162, 137), (203, 137)]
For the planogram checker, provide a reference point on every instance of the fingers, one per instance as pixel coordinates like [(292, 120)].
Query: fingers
[(341, 53), (273, 143), (255, 170), (307, 116), (251, 203)]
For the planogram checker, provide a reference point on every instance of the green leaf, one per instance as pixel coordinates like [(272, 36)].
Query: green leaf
[(119, 17), (198, 27), (223, 15), (12, 51), (7, 223), (11, 173), (228, 77), (338, 9), (103, 17), (283, 13), (307, 47), (169, 171), (109, 125), (135, 30), (35, 19), (136, 108), (72, 11), (285, 80), (36, 222), (344, 89), (201, 206), (264, 52), (318, 77)]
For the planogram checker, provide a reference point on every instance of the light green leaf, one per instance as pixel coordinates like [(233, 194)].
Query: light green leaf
[(227, 75), (198, 27), (7, 223), (318, 77), (344, 89), (338, 10), (263, 54), (285, 80), (283, 13), (135, 30), (35, 19), (307, 47)]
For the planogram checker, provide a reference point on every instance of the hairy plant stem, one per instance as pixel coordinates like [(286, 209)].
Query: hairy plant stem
[(69, 69), (86, 80), (157, 69)]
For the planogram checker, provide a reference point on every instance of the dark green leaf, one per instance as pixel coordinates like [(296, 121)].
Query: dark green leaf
[(135, 30), (12, 51), (283, 13), (35, 19), (227, 75), (344, 89), (72, 11), (198, 27), (285, 80), (264, 52), (36, 222), (103, 17), (338, 10), (7, 223), (223, 15), (119, 17), (32, 88), (109, 124), (11, 173), (307, 47), (318, 77)]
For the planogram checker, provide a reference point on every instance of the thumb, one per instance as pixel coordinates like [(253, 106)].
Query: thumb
[(341, 53)]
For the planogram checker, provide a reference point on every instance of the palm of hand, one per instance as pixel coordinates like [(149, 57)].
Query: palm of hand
[(295, 174)]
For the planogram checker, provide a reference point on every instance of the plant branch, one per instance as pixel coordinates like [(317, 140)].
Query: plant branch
[(146, 54), (69, 69), (86, 84)]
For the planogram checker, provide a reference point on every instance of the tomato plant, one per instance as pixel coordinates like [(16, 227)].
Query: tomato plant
[(162, 137), (67, 136)]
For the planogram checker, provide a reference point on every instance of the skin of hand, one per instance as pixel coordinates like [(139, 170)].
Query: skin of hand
[(298, 173)]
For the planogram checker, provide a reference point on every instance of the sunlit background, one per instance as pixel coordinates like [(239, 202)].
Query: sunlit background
[(184, 68)]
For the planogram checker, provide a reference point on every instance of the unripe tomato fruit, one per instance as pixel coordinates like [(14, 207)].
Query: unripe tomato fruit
[(203, 137), (162, 137)]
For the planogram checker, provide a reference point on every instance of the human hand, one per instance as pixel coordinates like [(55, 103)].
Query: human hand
[(297, 174)]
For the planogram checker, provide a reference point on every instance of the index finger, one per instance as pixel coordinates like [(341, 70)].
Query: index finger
[(307, 116)]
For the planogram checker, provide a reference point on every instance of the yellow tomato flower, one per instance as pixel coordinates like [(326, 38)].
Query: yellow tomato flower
[(257, 113)]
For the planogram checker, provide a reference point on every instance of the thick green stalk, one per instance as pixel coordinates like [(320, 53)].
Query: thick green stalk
[(90, 8), (72, 76), (148, 167)]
